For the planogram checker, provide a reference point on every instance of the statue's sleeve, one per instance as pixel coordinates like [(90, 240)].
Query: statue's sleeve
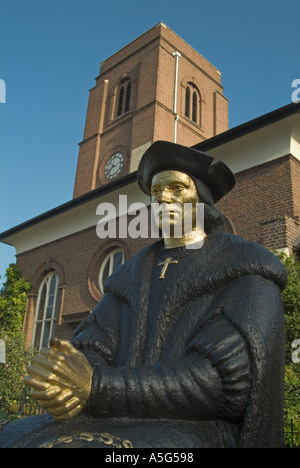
[(97, 336), (211, 381)]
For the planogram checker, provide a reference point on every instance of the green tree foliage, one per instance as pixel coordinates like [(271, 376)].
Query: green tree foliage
[(13, 300), (291, 303), (12, 308), (12, 388)]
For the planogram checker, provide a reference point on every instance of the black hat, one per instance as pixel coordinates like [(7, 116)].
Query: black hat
[(213, 181)]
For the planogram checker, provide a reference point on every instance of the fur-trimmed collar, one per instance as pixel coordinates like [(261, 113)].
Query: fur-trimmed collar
[(222, 258)]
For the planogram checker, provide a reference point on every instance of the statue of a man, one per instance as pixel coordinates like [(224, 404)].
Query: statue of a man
[(186, 347)]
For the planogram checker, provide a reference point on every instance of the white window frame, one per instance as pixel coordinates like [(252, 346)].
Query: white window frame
[(109, 258), (52, 319)]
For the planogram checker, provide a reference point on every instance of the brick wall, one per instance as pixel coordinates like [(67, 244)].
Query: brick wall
[(295, 177), (264, 205)]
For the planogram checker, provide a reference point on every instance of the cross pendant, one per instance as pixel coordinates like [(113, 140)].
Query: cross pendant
[(165, 265)]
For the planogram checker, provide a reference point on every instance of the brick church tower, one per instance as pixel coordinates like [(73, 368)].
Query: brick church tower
[(156, 87)]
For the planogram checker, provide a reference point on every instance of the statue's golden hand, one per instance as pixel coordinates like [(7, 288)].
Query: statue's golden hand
[(60, 379)]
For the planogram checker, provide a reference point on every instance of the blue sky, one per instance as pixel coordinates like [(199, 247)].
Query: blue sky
[(50, 54)]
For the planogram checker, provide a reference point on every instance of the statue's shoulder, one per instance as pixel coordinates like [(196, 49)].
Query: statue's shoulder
[(240, 245), (248, 256)]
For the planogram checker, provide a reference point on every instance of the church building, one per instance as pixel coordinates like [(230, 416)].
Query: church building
[(155, 88)]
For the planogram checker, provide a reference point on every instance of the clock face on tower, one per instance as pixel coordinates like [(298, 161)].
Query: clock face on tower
[(114, 165)]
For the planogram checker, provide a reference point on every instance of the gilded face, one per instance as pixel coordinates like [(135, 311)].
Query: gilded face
[(174, 191)]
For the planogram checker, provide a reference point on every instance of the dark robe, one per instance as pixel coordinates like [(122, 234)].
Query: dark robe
[(192, 360)]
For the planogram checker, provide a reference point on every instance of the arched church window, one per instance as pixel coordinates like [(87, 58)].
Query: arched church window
[(124, 97), (46, 311), (192, 103), (110, 264)]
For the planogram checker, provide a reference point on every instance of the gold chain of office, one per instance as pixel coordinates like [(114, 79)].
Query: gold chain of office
[(103, 437)]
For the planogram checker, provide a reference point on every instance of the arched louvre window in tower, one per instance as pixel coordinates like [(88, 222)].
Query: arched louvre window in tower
[(192, 103), (187, 101), (195, 107), (123, 104)]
